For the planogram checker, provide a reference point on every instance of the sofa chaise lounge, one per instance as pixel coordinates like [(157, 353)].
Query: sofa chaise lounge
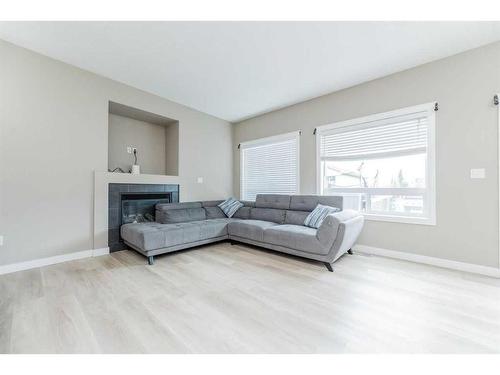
[(273, 221)]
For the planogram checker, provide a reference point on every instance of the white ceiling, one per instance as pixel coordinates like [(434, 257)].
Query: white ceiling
[(237, 70)]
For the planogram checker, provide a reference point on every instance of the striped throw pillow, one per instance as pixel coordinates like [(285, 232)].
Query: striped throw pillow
[(230, 206), (316, 217)]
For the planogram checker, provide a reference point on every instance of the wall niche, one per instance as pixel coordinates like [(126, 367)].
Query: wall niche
[(155, 137)]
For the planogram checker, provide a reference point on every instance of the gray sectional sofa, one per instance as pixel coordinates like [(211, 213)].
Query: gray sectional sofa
[(273, 221)]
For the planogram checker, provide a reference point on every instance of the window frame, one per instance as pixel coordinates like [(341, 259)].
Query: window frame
[(295, 135), (430, 190)]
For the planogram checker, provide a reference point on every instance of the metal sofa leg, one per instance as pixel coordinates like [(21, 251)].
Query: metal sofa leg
[(151, 260), (349, 251), (328, 266)]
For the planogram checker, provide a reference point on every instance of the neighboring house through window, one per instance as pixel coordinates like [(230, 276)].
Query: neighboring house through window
[(382, 164)]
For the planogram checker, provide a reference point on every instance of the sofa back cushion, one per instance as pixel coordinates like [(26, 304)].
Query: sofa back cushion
[(169, 213), (268, 214), (296, 217), (180, 215), (278, 201), (206, 204), (309, 202), (248, 203), (174, 206), (242, 213), (212, 211)]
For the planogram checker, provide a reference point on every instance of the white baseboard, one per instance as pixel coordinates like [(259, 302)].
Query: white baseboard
[(99, 252), (35, 263), (439, 262)]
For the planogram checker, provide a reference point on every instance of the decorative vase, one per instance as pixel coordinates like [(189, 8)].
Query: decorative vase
[(136, 169)]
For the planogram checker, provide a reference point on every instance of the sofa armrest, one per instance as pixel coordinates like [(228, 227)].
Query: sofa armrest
[(330, 225), (345, 227)]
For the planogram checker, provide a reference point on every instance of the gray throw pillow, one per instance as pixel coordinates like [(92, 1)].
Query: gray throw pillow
[(316, 217), (230, 206)]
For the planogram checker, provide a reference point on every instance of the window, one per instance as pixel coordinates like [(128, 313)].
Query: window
[(383, 164), (269, 165)]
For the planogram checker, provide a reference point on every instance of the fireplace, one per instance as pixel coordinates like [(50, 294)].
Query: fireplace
[(140, 207), (134, 203)]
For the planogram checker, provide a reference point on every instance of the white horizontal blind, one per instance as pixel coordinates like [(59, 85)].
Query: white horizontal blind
[(405, 134), (399, 136), (270, 166)]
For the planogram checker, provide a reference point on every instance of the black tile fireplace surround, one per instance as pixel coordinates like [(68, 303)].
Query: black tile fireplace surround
[(134, 202)]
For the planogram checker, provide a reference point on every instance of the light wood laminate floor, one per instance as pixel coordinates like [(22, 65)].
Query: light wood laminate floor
[(239, 299)]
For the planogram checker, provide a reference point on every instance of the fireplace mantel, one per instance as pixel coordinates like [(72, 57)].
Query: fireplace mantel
[(101, 183), (128, 178)]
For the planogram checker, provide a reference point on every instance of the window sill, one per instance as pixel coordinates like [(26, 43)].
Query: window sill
[(401, 219)]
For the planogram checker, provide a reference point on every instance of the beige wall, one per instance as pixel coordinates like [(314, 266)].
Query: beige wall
[(172, 149), (149, 139), (466, 136), (54, 134)]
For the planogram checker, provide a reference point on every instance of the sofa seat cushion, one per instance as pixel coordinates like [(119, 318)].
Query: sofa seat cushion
[(213, 228), (251, 229), (297, 237), (151, 236)]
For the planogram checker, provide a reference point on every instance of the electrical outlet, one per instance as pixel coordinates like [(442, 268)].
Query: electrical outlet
[(199, 180), (1, 240), (129, 149)]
